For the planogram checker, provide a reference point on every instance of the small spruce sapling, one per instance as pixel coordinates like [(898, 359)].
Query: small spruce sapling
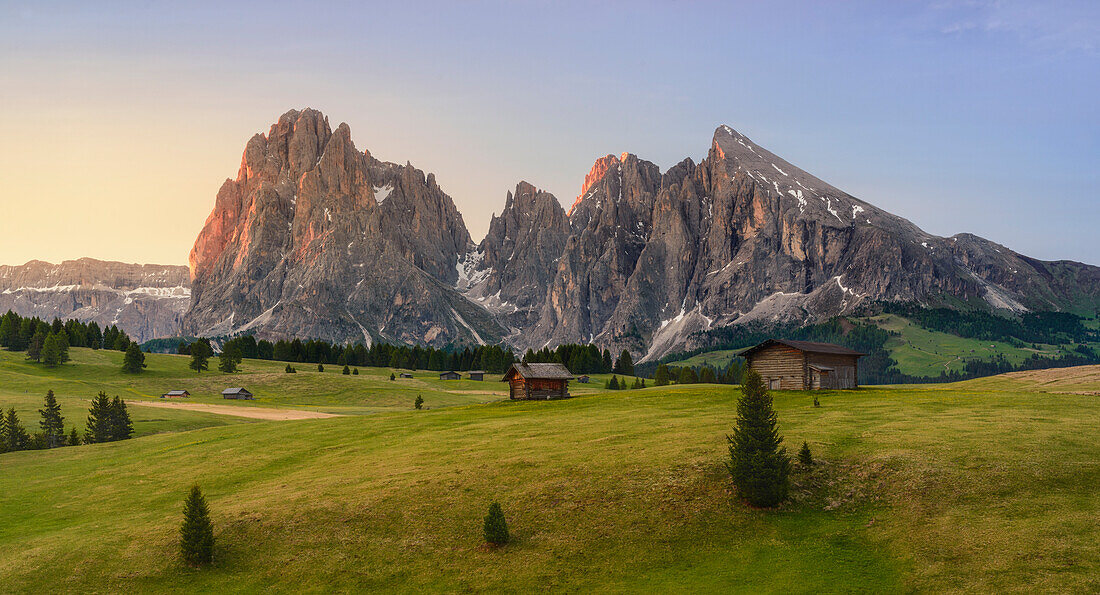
[(320, 367), (74, 438), (805, 457), (419, 402), (196, 533), (392, 377), (346, 371), (758, 463), (816, 402), (496, 527), (289, 369), (355, 372)]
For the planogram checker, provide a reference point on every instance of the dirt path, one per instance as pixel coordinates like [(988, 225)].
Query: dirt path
[(250, 412)]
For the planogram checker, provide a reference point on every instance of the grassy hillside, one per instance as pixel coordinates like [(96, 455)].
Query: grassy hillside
[(923, 352), (930, 488)]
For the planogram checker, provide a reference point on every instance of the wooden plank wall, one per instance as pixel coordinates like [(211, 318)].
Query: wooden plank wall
[(781, 362), (845, 368)]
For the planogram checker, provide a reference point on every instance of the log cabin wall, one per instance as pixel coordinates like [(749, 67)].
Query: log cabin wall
[(845, 369), (781, 367)]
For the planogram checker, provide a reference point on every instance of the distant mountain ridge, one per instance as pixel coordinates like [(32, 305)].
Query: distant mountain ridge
[(316, 239), (145, 300)]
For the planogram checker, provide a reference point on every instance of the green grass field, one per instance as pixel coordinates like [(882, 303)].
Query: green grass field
[(984, 486)]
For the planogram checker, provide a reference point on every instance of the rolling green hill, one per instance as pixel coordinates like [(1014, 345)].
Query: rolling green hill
[(961, 487)]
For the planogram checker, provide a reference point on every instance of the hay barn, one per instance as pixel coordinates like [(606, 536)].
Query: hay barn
[(803, 365)]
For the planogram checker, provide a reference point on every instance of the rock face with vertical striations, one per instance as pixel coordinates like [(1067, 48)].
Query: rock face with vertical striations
[(317, 239), (145, 300)]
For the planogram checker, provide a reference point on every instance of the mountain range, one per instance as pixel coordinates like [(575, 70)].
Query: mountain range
[(316, 238)]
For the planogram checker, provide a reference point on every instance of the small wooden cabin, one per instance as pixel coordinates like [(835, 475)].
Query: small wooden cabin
[(538, 381), (476, 374), (236, 393), (804, 365), (175, 394), (404, 375), (449, 376), (583, 379)]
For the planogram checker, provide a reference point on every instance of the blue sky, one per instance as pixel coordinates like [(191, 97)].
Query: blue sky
[(976, 116)]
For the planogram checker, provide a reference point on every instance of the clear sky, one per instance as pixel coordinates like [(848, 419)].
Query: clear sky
[(119, 121)]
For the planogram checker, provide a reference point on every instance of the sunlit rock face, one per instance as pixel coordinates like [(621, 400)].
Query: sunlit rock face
[(317, 239), (147, 301), (655, 259)]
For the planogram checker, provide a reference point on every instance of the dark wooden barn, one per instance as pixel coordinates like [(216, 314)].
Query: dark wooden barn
[(583, 379), (404, 375), (449, 376), (803, 365), (236, 393), (538, 381), (476, 374), (172, 394)]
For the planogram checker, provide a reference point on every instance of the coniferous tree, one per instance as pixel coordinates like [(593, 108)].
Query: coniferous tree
[(35, 345), (289, 369), (355, 372), (13, 435), (613, 384), (606, 361), (805, 457), (52, 424), (134, 360), (320, 367), (74, 437), (496, 526), (707, 375), (687, 376), (51, 351), (624, 365), (200, 355), (196, 532), (419, 402), (121, 427), (758, 463), (346, 371), (660, 377), (392, 377), (98, 427), (229, 358)]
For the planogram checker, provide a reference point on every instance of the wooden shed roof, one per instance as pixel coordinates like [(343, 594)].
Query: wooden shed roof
[(234, 390), (803, 346), (539, 372)]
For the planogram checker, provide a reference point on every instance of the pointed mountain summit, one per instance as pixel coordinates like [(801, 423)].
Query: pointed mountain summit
[(317, 239)]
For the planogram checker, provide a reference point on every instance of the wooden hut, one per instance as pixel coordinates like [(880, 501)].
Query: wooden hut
[(476, 374), (173, 394), (583, 379), (404, 375), (236, 393), (803, 365), (538, 381), (449, 376)]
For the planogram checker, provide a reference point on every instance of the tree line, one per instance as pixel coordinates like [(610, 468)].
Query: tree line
[(108, 421), (49, 343)]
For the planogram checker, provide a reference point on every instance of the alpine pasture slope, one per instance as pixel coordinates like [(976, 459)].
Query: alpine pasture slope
[(978, 486)]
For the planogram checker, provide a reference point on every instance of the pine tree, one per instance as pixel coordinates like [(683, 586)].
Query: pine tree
[(606, 361), (35, 345), (496, 527), (289, 369), (200, 355), (805, 457), (228, 360), (419, 402), (625, 364), (51, 351), (637, 383), (355, 372), (320, 367), (134, 360), (613, 384), (687, 376), (197, 532), (121, 427), (392, 377), (74, 437), (52, 424), (98, 427), (346, 371), (707, 376), (660, 377), (13, 435), (758, 463)]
